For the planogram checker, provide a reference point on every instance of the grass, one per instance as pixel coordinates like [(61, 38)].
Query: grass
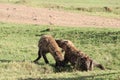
[(69, 3), (18, 48), (106, 8)]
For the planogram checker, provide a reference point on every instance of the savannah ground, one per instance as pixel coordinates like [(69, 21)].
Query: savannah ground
[(19, 39)]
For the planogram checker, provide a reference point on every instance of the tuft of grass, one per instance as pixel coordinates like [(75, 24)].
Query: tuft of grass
[(18, 48)]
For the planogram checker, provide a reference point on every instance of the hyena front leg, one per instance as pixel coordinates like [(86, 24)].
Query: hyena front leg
[(39, 56), (66, 60)]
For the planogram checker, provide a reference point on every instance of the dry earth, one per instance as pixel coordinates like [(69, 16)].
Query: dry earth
[(45, 16)]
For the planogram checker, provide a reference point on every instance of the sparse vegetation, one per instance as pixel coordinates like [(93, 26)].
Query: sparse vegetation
[(92, 7), (18, 48)]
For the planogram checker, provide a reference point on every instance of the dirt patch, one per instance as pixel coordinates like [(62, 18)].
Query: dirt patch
[(45, 16)]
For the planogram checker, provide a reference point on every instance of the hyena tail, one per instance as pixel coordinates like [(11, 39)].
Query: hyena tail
[(99, 66)]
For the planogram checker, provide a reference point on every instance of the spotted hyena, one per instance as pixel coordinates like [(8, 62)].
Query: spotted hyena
[(77, 58), (47, 44)]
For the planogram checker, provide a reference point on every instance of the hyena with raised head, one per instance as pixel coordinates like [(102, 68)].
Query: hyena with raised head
[(48, 44), (77, 58)]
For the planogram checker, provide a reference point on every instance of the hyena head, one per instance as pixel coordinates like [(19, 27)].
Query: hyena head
[(65, 44), (57, 55), (84, 64), (62, 44), (59, 59)]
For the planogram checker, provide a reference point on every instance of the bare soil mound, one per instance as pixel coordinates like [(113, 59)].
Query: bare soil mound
[(45, 16)]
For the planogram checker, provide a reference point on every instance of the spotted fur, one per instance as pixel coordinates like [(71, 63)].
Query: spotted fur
[(77, 58), (47, 44)]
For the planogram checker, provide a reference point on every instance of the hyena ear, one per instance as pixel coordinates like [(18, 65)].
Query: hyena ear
[(57, 40), (91, 65)]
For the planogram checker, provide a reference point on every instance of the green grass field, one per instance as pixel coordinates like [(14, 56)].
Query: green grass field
[(91, 7), (18, 48)]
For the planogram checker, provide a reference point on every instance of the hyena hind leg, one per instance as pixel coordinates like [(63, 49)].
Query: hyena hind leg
[(45, 58), (39, 56)]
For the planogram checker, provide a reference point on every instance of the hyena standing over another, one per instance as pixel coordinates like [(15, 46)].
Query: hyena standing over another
[(77, 58), (48, 44)]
